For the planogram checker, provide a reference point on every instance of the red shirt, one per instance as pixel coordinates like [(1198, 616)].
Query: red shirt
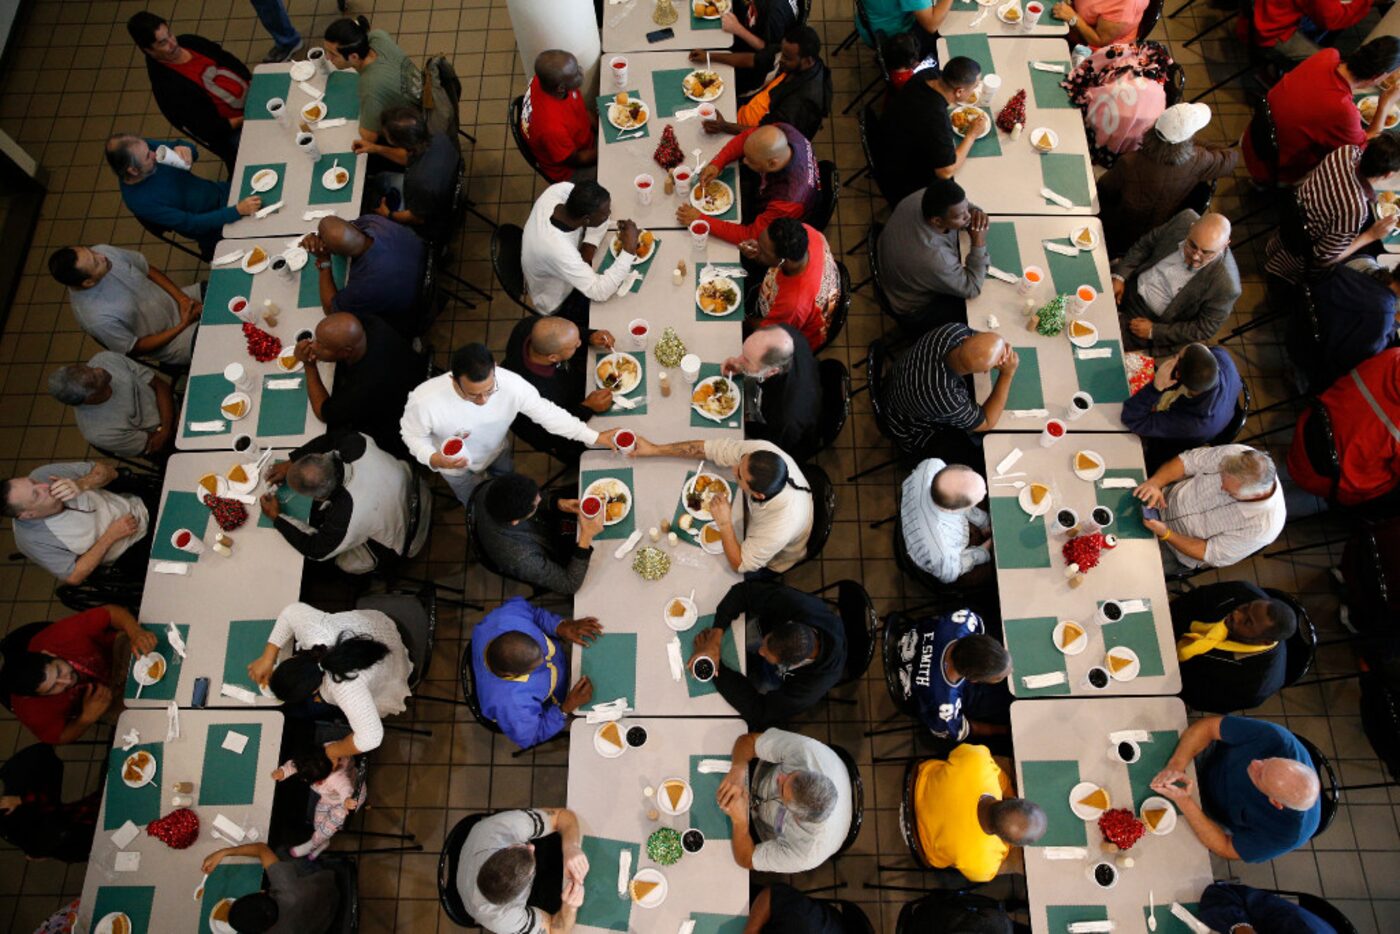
[(556, 129), (227, 90), (803, 171), (1276, 21), (83, 641), (797, 300), (1314, 112), (1369, 455)]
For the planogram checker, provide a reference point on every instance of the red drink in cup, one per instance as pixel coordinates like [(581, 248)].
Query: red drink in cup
[(699, 234), (640, 331), (452, 447), (1054, 431), (239, 304), (182, 538), (590, 506), (626, 441), (185, 540), (1032, 15)]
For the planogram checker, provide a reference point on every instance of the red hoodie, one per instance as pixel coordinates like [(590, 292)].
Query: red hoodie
[(1276, 21), (1367, 450)]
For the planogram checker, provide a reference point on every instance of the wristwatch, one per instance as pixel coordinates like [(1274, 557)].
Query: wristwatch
[(1072, 22), (323, 265)]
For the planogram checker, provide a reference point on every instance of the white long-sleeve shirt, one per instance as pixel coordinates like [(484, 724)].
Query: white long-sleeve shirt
[(775, 530), (435, 412), (550, 259)]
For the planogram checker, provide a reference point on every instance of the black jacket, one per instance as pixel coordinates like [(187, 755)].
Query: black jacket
[(43, 826), (566, 388), (767, 605), (188, 106), (1218, 682), (790, 403), (802, 99)]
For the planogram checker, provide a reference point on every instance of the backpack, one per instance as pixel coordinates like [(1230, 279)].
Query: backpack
[(442, 89)]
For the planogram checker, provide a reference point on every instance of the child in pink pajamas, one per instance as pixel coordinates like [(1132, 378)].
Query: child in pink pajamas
[(335, 783)]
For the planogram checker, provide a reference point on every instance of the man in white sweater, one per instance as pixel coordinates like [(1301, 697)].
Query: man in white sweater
[(458, 423), (565, 228)]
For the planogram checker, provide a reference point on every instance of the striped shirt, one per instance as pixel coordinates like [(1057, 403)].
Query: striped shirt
[(1336, 202), (1197, 506), (937, 538), (924, 396)]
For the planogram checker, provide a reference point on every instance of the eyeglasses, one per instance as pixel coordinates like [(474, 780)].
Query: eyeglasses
[(482, 396), (1192, 247)]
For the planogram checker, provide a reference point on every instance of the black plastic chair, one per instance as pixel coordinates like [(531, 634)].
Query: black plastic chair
[(1199, 198), (1232, 429), (1319, 906), (448, 861), (914, 916), (1149, 19), (876, 363), (906, 565), (347, 882), (1301, 647), (415, 615), (842, 311), (947, 879), (829, 177), (860, 622), (1175, 88), (823, 510), (505, 262), (467, 675), (513, 119), (866, 123), (1331, 790), (481, 555), (857, 800), (163, 234), (835, 385), (853, 918)]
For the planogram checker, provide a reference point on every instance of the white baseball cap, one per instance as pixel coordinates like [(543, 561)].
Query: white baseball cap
[(1180, 122)]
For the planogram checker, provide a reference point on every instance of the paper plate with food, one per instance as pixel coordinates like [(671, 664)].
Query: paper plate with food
[(648, 888), (1044, 139), (699, 490), (1035, 499), (335, 178), (1088, 465), (1368, 105), (627, 112), (287, 360), (681, 613), (1088, 801), (710, 9), (149, 669), (711, 540), (1070, 637), (674, 797), (617, 499), (1086, 238), (242, 478), (211, 484), (218, 917), (1122, 663), (139, 769), (646, 242), (718, 296), (1010, 14), (115, 922), (1082, 333), (1158, 815), (618, 371), (236, 406), (256, 260), (716, 398), (607, 740), (701, 85), (314, 111), (712, 198), (962, 118), (263, 180)]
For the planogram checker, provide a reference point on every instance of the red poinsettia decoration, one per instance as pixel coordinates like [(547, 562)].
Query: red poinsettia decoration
[(229, 513), (1121, 827), (668, 153), (262, 346), (1013, 113), (177, 830), (1084, 550)]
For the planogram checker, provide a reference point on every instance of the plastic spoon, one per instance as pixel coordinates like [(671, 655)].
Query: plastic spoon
[(1151, 911)]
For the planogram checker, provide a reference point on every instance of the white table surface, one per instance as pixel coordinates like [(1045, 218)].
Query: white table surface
[(218, 345), (619, 164), (1056, 354), (607, 795), (176, 873), (625, 28), (1175, 867), (1388, 26), (1131, 571), (961, 22), (1011, 183), (623, 602), (265, 141)]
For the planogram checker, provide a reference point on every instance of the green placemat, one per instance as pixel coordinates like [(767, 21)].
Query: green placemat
[(717, 924), (342, 97), (611, 664), (224, 286), (966, 6), (1045, 86), (134, 901), (738, 309), (628, 525), (181, 510), (246, 640), (1103, 378), (282, 411), (203, 393), (699, 421), (1048, 783), (138, 805), (705, 814), (293, 504), (1168, 923), (728, 653), (263, 88), (1003, 251), (1031, 643), (164, 689), (309, 286), (975, 46), (1153, 760), (1137, 631), (319, 193), (637, 395), (989, 145), (1066, 174), (698, 23), (229, 777), (643, 267), (1068, 273), (228, 880), (273, 194), (1058, 918), (1018, 540), (1026, 391), (681, 533), (601, 907), (667, 92), (611, 133), (1127, 508)]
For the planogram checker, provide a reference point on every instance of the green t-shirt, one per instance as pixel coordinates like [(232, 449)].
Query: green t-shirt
[(392, 80)]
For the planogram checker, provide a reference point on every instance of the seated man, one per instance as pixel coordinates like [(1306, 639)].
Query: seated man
[(1354, 308), (966, 818), (782, 385), (794, 85), (361, 513), (927, 394), (1189, 403), (1218, 506), (1229, 906), (781, 909), (1260, 795), (526, 545), (386, 269), (421, 196), (802, 285), (120, 406), (796, 652), (58, 677), (1177, 284), (945, 532), (544, 351), (922, 272), (375, 370), (956, 675), (562, 235), (126, 304), (778, 501), (1277, 24), (300, 896), (557, 122), (199, 87), (68, 524), (795, 802), (1363, 407), (914, 141), (522, 670), (166, 197), (1230, 639), (886, 18), (497, 877), (787, 184)]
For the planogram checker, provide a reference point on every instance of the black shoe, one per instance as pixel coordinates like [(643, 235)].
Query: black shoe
[(280, 53)]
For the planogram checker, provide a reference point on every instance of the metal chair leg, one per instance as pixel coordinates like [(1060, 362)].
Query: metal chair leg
[(884, 521), (1181, 9), (846, 701), (407, 729), (385, 836), (1220, 84), (862, 283), (889, 730), (846, 43), (415, 848), (1324, 543), (896, 888), (863, 170), (457, 297), (861, 96), (1210, 29), (862, 241), (460, 281), (870, 470), (441, 700)]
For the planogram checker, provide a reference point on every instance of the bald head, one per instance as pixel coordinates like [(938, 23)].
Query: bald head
[(339, 336), (1287, 782), (1017, 821), (957, 487), (554, 336), (767, 150), (978, 354), (1206, 240), (558, 71), (343, 238)]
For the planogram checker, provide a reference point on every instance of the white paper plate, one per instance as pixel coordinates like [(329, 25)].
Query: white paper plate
[(604, 748), (229, 399), (663, 800), (1091, 244), (303, 71), (1024, 498), (720, 282), (710, 548), (318, 108), (715, 89), (1002, 10), (220, 927), (697, 201), (1087, 340), (104, 926), (703, 514), (614, 110), (1077, 645), (331, 182), (256, 267), (680, 623), (657, 895), (1089, 475), (986, 127), (722, 5), (286, 357), (147, 774), (296, 257), (1036, 134), (141, 671), (602, 483), (264, 180), (1127, 674), (629, 383), (1168, 822), (1083, 811), (734, 393)]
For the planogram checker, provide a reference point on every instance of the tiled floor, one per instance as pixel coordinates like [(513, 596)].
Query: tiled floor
[(73, 77)]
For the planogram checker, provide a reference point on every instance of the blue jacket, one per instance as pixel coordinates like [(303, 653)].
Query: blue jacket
[(179, 200), (1224, 905), (526, 710), (1192, 421), (1355, 320)]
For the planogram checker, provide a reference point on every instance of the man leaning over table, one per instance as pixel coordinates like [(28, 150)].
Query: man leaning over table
[(476, 402), (300, 898), (787, 182), (1260, 794), (561, 238), (782, 387), (796, 84), (777, 498), (795, 802), (386, 269), (522, 872)]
